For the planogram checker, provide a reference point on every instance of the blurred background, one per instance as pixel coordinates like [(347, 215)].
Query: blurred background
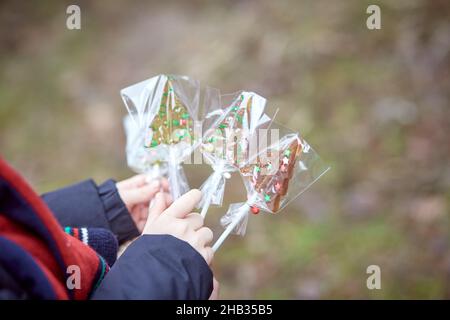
[(375, 104)]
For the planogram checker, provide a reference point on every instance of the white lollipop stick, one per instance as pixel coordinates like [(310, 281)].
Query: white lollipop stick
[(243, 211), (173, 174), (206, 205), (214, 183)]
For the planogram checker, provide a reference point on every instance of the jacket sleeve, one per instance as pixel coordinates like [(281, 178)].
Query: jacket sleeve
[(158, 267), (87, 205)]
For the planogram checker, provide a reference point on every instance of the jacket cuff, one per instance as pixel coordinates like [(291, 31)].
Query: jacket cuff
[(119, 219), (157, 267)]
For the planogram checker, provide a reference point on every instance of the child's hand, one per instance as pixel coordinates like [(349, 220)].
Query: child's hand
[(216, 289), (137, 193), (179, 221)]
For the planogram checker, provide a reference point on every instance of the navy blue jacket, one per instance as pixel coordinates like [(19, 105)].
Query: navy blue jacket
[(87, 205), (152, 267)]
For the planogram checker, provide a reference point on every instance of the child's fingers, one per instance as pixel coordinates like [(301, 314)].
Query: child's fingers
[(208, 254), (133, 182), (169, 199), (216, 290), (140, 195), (164, 184), (143, 211), (158, 205), (141, 225), (205, 234), (195, 220), (185, 204)]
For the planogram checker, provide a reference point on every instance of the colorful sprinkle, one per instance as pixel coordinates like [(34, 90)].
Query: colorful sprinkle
[(277, 186)]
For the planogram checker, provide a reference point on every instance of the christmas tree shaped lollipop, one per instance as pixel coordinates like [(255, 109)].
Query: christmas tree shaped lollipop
[(226, 144), (273, 177), (271, 180), (173, 123), (162, 111)]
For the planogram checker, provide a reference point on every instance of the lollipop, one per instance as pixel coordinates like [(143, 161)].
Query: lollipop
[(139, 158), (270, 183), (272, 178), (227, 143), (160, 129)]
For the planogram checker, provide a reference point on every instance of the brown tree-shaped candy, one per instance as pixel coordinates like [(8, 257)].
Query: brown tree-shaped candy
[(271, 184)]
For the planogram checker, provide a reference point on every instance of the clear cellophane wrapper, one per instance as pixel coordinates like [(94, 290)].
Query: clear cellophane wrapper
[(139, 159), (274, 176), (163, 112), (226, 141)]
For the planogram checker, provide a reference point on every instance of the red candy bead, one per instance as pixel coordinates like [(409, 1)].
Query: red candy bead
[(183, 122), (255, 210)]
